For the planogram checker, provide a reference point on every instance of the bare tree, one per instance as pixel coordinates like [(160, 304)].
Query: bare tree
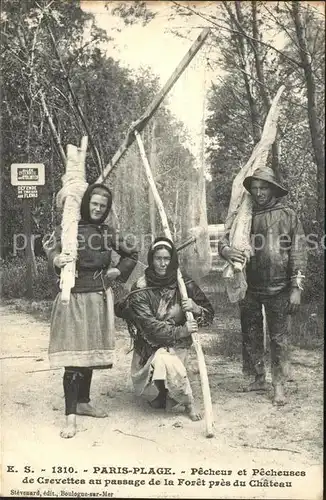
[(314, 125), (237, 21), (263, 90)]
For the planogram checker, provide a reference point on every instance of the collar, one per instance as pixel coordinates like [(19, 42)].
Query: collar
[(273, 204)]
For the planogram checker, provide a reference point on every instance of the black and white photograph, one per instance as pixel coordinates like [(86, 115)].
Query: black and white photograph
[(162, 249)]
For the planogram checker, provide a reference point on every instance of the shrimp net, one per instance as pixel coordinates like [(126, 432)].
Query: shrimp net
[(179, 173), (239, 216)]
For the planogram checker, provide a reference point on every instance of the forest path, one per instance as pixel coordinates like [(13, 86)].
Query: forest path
[(250, 433)]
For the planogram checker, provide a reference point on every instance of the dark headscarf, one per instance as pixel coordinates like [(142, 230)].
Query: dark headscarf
[(84, 208), (170, 277)]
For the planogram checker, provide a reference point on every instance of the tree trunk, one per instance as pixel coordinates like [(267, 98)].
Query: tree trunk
[(315, 129), (259, 65), (52, 184), (53, 130), (238, 22), (31, 268), (175, 215)]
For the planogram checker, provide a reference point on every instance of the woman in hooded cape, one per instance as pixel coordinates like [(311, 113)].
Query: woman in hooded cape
[(82, 331)]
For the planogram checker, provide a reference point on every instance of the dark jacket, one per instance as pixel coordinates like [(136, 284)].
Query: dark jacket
[(152, 326), (95, 245), (279, 249)]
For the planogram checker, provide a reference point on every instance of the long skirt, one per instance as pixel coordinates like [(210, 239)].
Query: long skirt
[(165, 364), (82, 331)]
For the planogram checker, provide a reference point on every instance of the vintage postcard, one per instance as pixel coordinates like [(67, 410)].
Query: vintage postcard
[(162, 245)]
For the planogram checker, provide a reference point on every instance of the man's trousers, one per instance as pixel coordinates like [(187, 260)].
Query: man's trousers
[(276, 309)]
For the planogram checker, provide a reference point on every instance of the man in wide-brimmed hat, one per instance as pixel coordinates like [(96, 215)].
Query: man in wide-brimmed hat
[(274, 276)]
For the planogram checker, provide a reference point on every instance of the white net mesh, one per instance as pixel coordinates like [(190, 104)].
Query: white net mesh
[(184, 200), (180, 178)]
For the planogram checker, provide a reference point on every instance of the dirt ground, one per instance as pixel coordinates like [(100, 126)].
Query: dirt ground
[(250, 433)]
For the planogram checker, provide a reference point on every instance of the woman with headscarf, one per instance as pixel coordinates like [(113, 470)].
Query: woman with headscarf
[(82, 332), (161, 334)]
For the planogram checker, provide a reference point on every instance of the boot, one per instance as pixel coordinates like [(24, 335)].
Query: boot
[(258, 385), (160, 401), (279, 396)]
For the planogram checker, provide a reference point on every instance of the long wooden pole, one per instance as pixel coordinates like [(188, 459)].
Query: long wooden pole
[(29, 251), (67, 281), (188, 242), (184, 295), (140, 124)]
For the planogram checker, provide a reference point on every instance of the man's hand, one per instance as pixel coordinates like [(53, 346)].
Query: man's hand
[(62, 259), (113, 273), (188, 305), (191, 326), (187, 329), (294, 301), (233, 255)]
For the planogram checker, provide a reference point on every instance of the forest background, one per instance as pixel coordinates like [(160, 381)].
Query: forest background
[(58, 84)]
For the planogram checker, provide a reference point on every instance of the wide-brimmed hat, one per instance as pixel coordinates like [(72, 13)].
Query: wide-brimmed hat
[(266, 174)]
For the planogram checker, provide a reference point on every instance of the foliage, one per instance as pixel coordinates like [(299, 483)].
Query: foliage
[(133, 11), (13, 284), (257, 46), (40, 309), (110, 97)]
